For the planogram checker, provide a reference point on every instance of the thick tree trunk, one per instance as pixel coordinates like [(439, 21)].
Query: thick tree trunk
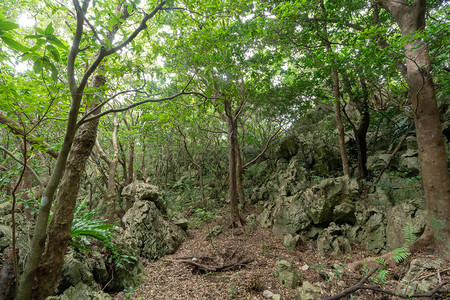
[(50, 267), (432, 156)]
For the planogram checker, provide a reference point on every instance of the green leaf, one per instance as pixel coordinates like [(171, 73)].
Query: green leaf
[(6, 25), (13, 44), (129, 9), (49, 30), (37, 67)]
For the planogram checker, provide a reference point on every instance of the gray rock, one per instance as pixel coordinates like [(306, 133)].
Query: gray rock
[(77, 268), (289, 215), (412, 282), (288, 148), (144, 191), (321, 200), (149, 232), (268, 294), (291, 241), (286, 274), (276, 297), (99, 268), (181, 221), (397, 218), (81, 291), (308, 291), (333, 240)]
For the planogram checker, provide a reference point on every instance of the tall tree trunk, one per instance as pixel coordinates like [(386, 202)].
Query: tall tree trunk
[(49, 270), (239, 174), (432, 156), (236, 219), (112, 168), (337, 103)]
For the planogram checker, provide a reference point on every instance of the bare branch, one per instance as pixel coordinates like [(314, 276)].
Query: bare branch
[(41, 184)]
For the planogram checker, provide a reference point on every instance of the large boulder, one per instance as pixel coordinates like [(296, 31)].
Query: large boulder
[(148, 231), (140, 190), (289, 215), (332, 200)]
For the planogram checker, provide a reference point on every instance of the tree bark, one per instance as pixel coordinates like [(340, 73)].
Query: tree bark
[(49, 270), (432, 156), (337, 103), (231, 119)]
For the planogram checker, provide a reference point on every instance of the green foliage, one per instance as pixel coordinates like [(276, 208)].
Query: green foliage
[(86, 225), (408, 231), (400, 254), (382, 276)]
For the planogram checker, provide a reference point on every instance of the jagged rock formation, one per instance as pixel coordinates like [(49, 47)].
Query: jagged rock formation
[(146, 230)]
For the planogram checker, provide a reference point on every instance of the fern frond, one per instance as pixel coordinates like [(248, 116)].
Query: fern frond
[(408, 231), (400, 254), (382, 276)]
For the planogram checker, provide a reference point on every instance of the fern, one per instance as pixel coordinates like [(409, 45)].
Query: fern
[(400, 254), (86, 226), (382, 276), (408, 231), (381, 261)]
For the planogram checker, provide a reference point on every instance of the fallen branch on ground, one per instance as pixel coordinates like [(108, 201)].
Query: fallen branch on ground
[(361, 286), (222, 268)]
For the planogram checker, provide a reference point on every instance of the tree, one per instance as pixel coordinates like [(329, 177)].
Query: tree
[(410, 17)]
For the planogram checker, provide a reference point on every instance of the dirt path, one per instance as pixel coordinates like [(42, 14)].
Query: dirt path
[(169, 278)]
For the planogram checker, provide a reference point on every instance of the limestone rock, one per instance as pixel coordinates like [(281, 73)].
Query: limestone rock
[(77, 268), (400, 216), (81, 291), (288, 148), (144, 191), (322, 199), (308, 291), (289, 215), (180, 221), (286, 274), (291, 241), (149, 232), (99, 268), (268, 294), (418, 267), (333, 240)]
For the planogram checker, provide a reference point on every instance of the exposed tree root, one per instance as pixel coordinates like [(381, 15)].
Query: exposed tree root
[(362, 286), (425, 240), (225, 267)]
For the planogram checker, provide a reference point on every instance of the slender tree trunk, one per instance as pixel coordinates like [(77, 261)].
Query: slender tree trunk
[(337, 103), (239, 175), (432, 156), (232, 142), (143, 164), (49, 270), (112, 167)]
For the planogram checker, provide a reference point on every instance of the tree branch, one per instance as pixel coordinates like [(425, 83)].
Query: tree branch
[(41, 184)]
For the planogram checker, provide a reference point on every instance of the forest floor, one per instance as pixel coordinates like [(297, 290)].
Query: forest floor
[(170, 278)]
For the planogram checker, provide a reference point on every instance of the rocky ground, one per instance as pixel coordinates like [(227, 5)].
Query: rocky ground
[(171, 278)]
